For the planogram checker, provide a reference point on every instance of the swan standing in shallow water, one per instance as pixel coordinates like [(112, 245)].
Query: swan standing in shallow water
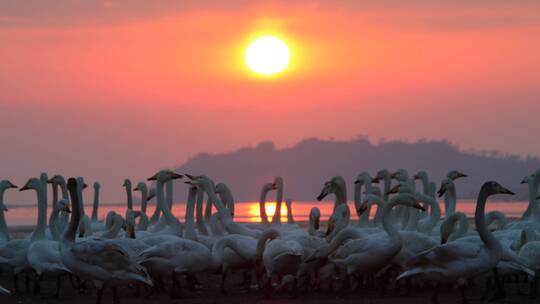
[(102, 262), (459, 261)]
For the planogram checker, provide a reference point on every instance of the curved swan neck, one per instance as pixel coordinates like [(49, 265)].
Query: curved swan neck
[(268, 234), (189, 232), (276, 219), (290, 217), (54, 187), (450, 201), (69, 235), (387, 215), (167, 214), (479, 219), (338, 240), (201, 226), (96, 204), (262, 205)]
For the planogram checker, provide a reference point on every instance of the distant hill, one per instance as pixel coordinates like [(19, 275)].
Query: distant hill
[(308, 164)]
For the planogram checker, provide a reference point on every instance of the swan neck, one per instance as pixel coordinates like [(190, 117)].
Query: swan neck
[(190, 233), (96, 205), (39, 231), (479, 219), (201, 226), (276, 219), (69, 235), (290, 217), (450, 201), (169, 192), (129, 196), (533, 194), (4, 234), (54, 194), (208, 210), (262, 206), (144, 199)]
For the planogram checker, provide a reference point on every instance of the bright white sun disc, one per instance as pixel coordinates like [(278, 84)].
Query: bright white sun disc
[(267, 55)]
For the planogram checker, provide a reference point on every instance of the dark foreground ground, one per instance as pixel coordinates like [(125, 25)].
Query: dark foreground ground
[(210, 293)]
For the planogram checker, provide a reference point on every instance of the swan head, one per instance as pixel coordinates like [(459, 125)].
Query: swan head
[(331, 186), (446, 185), (167, 175), (381, 175), (278, 183), (97, 186), (363, 178), (32, 183), (6, 184), (454, 174), (81, 183), (492, 187), (57, 179), (528, 179)]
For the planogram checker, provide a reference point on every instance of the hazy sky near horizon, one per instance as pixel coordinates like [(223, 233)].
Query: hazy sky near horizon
[(115, 89)]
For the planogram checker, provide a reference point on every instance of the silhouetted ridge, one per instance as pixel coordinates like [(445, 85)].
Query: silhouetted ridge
[(312, 161)]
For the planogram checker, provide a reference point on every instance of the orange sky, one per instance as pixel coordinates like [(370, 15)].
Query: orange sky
[(113, 89)]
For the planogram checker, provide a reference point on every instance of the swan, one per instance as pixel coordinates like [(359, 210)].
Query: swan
[(278, 186), (95, 223), (448, 189), (44, 255), (225, 217), (454, 175), (59, 181), (413, 242), (428, 187), (532, 218), (13, 253), (4, 234), (172, 224), (496, 217), (337, 186), (143, 221), (129, 193), (278, 257), (457, 261), (338, 221), (97, 260), (363, 179), (371, 253)]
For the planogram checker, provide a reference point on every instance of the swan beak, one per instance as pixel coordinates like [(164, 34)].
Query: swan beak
[(393, 175), (191, 177), (85, 186), (25, 187), (136, 189), (444, 240), (416, 177), (459, 174), (323, 194), (524, 181), (375, 180), (274, 186), (356, 182), (503, 190), (67, 209), (12, 186), (176, 176), (4, 208), (153, 177), (538, 198), (442, 191), (393, 190)]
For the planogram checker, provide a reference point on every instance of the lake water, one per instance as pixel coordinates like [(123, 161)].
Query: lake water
[(249, 211)]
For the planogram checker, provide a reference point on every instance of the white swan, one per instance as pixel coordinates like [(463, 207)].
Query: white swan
[(531, 219), (4, 233), (449, 233), (172, 224), (276, 256), (457, 261), (448, 189), (59, 181), (385, 176), (337, 186), (13, 253), (103, 262), (371, 253)]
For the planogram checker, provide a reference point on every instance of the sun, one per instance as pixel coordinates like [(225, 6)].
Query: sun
[(267, 55)]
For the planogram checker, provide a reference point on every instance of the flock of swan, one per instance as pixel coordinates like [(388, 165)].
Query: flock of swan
[(407, 242)]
